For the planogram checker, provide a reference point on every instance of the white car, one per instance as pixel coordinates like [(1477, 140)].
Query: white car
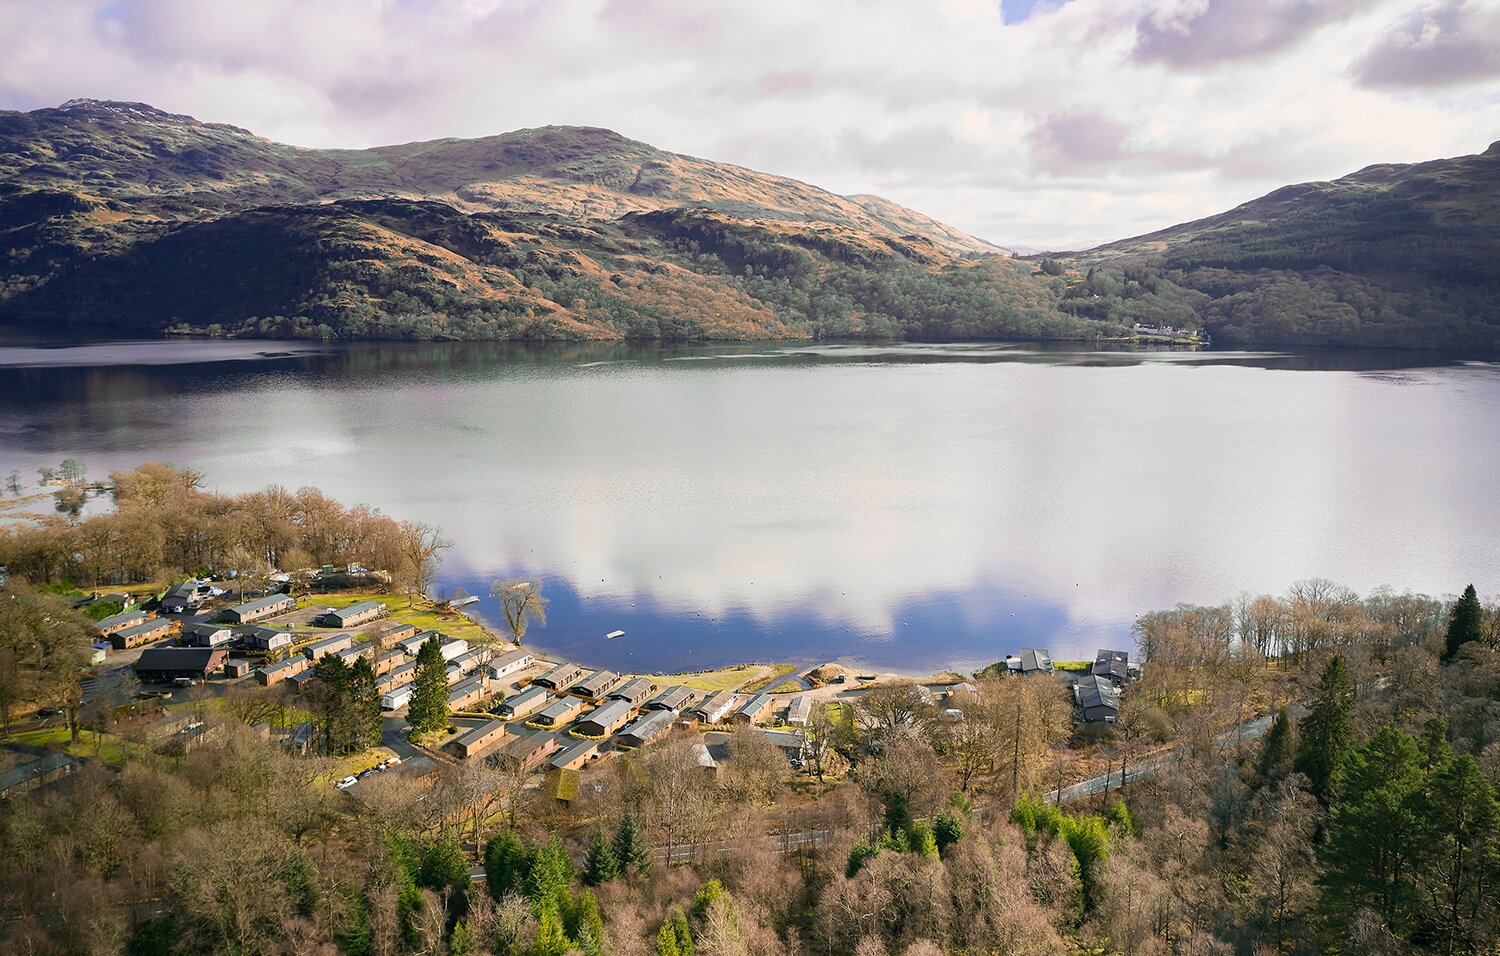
[(346, 783), (389, 762)]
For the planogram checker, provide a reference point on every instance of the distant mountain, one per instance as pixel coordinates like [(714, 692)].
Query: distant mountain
[(1390, 255), (125, 216)]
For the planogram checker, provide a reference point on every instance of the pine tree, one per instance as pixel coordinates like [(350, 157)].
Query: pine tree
[(330, 701), (590, 920), (364, 706), (428, 709), (600, 865), (630, 849), (551, 872), (1464, 625), (1326, 734), (550, 939), (683, 933), (507, 863), (666, 941), (1276, 750)]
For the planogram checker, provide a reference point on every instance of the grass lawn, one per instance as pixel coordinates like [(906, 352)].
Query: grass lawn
[(112, 749), (725, 678), (1083, 666), (786, 687), (777, 672), (421, 613)]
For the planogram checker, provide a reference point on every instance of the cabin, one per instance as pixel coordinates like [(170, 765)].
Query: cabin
[(171, 663), (524, 704), (646, 730), (355, 652), (237, 668), (799, 710), (397, 697), (754, 710), (206, 635), (510, 663), (181, 598), (1112, 665), (716, 706), (576, 756), (792, 743), (273, 674), (118, 622), (35, 773), (354, 615), (594, 686), (1098, 698), (259, 609), (471, 660), (404, 674), (328, 645), (299, 682), (635, 692), (468, 693), (525, 752), (605, 720), (412, 644), (264, 639), (388, 662), (145, 633), (391, 633), (481, 738), (559, 676), (557, 714), (453, 648), (1030, 662), (675, 699)]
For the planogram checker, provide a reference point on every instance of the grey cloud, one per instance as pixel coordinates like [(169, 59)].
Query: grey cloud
[(1219, 31), (1443, 44), (1076, 142)]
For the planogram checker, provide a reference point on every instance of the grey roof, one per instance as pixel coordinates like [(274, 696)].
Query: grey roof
[(754, 705), (609, 713), (673, 698), (260, 603), (289, 664), (507, 659), (1094, 693), (145, 627), (465, 687), (328, 642), (1035, 659), (205, 628), (526, 696), (635, 690), (560, 709), (564, 673), (648, 727), (358, 607), (1112, 664), (116, 619), (564, 757), (597, 682), (480, 732), (176, 658), (32, 769)]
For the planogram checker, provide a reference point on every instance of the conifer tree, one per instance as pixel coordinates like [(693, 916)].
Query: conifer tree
[(630, 849), (428, 709), (1465, 623), (364, 706), (1326, 734), (507, 861), (683, 933), (666, 941), (550, 939), (1276, 750), (600, 865), (551, 872)]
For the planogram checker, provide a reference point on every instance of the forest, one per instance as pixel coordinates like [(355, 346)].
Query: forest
[(1363, 820)]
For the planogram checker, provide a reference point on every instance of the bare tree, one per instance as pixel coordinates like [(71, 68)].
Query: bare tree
[(520, 601), (420, 546)]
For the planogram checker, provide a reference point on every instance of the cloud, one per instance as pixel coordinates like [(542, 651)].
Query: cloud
[(1033, 122), (1193, 34), (1441, 44)]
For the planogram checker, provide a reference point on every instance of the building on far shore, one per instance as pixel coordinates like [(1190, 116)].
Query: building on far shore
[(1031, 661)]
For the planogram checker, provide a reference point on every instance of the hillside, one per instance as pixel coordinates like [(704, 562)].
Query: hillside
[(121, 215), (1390, 255)]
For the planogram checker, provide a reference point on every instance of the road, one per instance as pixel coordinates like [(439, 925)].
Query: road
[(1247, 731)]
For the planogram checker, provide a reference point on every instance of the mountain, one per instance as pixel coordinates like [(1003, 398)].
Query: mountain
[(124, 216), (1390, 255)]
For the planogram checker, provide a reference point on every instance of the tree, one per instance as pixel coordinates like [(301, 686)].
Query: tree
[(551, 871), (550, 939), (428, 709), (1326, 734), (630, 850), (419, 547), (822, 740), (1460, 868), (364, 705), (43, 645), (507, 862), (1465, 624), (600, 865), (1277, 748), (520, 601), (13, 482), (666, 941)]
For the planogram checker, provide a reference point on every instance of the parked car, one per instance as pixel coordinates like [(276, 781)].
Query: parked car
[(389, 762), (346, 783), (49, 712)]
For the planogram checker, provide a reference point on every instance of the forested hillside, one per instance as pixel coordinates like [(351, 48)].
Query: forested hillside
[(1390, 255)]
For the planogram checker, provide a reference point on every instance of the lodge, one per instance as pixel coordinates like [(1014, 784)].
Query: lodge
[(558, 713), (144, 633), (206, 635), (675, 699), (1098, 698), (118, 622), (646, 730), (354, 615), (524, 704), (634, 692), (526, 752), (481, 738), (1112, 665), (510, 663), (259, 609), (594, 686), (559, 676), (754, 710), (264, 639), (716, 706), (605, 720), (281, 670), (1030, 662), (171, 663), (468, 693), (328, 645)]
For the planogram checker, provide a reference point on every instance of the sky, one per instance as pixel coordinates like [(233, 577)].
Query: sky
[(1049, 124)]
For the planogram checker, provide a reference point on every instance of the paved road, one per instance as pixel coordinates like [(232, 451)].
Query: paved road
[(1247, 731)]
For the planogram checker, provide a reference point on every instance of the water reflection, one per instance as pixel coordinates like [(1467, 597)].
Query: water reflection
[(908, 506)]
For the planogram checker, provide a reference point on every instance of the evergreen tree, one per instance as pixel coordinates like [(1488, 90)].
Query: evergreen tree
[(1276, 749), (550, 939), (600, 865), (364, 706), (1326, 734), (947, 830), (428, 709), (551, 872), (1464, 625), (919, 837), (684, 934), (329, 700), (666, 941), (507, 863), (590, 923), (443, 865), (630, 848), (1461, 857)]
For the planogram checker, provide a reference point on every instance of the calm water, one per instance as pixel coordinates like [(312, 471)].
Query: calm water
[(907, 507)]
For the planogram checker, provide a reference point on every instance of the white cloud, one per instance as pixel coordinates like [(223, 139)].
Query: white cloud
[(1092, 119)]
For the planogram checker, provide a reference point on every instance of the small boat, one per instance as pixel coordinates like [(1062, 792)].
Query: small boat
[(614, 634)]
